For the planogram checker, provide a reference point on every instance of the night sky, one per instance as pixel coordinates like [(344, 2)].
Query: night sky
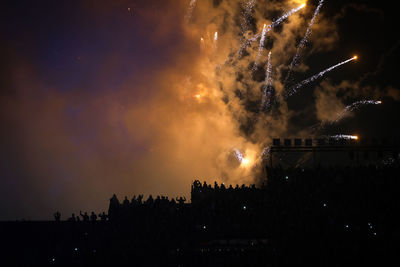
[(100, 97)]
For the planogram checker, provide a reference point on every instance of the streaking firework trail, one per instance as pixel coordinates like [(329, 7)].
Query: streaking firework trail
[(294, 89), (216, 40), (344, 136), (261, 46), (304, 41), (189, 13), (270, 27), (355, 106), (268, 82), (358, 104)]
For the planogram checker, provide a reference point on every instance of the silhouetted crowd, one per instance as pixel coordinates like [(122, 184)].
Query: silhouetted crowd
[(316, 217)]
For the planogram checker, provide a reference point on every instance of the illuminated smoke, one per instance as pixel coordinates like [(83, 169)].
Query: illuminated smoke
[(270, 27), (294, 89), (268, 85), (303, 41), (189, 13)]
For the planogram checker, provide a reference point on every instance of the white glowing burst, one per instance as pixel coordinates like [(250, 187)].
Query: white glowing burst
[(304, 41), (294, 89)]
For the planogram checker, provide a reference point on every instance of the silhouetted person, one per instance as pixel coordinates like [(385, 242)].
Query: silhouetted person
[(57, 216), (72, 218), (103, 216), (181, 200), (85, 216), (125, 203), (113, 209), (93, 217)]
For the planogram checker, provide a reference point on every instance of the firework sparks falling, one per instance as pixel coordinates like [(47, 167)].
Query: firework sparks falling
[(189, 13), (304, 41), (294, 89), (268, 82)]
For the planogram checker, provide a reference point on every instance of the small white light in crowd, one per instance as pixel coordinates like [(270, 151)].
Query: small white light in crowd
[(244, 207), (53, 259), (375, 234), (287, 177), (204, 227), (324, 204), (347, 226), (76, 249), (369, 224)]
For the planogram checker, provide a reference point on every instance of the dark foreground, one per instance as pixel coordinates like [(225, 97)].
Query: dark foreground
[(326, 217)]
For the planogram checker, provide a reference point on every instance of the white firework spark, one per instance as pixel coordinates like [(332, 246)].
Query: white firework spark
[(294, 89), (216, 40), (304, 41)]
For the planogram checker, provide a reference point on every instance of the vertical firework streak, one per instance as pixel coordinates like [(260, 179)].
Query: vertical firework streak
[(268, 82), (189, 13), (294, 89), (303, 41), (261, 46), (216, 40), (270, 27)]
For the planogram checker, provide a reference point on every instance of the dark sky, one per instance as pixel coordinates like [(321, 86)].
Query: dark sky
[(77, 78)]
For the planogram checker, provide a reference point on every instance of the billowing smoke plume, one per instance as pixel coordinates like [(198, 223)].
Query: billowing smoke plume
[(172, 100)]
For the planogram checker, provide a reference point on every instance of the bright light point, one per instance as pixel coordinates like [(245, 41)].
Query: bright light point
[(379, 102), (355, 57), (355, 137), (198, 96), (245, 162), (303, 5)]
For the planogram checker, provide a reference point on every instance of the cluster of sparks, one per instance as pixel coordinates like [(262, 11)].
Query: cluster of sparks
[(243, 160)]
